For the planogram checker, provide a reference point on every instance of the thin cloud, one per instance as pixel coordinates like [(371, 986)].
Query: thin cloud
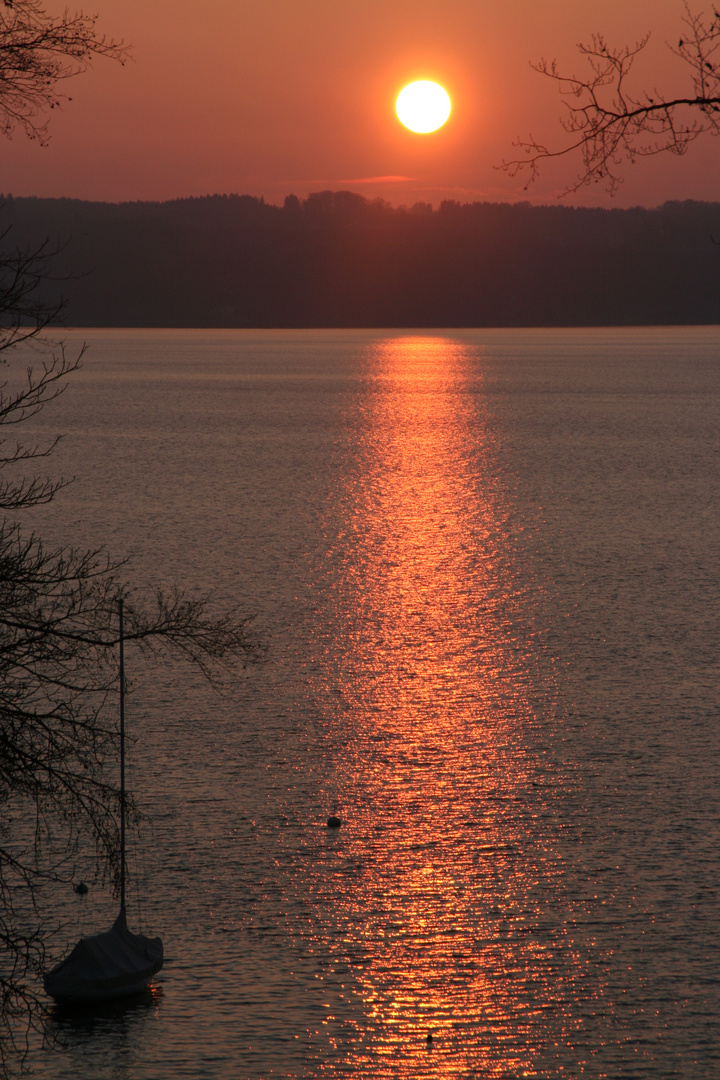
[(381, 180)]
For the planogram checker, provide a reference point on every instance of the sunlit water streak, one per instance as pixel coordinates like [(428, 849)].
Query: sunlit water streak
[(487, 568)]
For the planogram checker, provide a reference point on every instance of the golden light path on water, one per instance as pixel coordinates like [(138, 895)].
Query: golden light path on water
[(441, 772)]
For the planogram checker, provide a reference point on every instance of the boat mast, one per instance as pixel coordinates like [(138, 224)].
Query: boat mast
[(122, 766)]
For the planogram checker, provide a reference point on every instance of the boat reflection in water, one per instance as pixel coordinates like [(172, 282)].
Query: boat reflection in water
[(100, 1016), (448, 912), (101, 1034)]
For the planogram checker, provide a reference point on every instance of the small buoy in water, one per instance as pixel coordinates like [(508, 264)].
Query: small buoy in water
[(81, 888), (334, 822), (428, 1040)]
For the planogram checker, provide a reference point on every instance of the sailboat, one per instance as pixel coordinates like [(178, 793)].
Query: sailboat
[(116, 963)]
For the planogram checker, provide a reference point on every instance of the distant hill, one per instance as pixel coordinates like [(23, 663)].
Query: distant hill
[(338, 260)]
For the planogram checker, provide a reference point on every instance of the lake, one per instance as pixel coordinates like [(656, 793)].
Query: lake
[(486, 566)]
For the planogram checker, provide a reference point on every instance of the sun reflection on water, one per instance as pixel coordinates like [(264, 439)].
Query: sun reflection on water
[(445, 846)]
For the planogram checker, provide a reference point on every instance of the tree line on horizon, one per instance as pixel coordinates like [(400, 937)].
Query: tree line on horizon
[(336, 259)]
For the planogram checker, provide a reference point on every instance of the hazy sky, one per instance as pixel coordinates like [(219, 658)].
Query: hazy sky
[(268, 97)]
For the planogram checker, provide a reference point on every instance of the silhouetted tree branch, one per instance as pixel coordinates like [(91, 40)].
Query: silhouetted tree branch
[(58, 673), (38, 51), (58, 607), (608, 124)]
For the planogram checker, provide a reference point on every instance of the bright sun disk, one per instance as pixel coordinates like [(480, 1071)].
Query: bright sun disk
[(423, 106)]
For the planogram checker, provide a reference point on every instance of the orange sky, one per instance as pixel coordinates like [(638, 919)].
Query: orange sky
[(268, 97)]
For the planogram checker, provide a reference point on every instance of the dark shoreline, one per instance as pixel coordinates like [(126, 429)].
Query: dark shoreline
[(337, 260)]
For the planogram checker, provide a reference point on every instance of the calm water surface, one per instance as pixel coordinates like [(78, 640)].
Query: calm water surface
[(487, 568)]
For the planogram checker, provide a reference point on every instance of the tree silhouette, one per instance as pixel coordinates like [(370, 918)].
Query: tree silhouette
[(39, 51), (58, 606), (609, 125)]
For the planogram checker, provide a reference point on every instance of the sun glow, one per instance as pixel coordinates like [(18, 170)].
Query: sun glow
[(423, 106)]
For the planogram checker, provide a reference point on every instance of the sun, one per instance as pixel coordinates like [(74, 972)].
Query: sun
[(423, 106)]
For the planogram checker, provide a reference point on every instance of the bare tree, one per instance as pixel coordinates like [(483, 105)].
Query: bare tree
[(608, 124), (58, 606), (38, 52), (58, 670)]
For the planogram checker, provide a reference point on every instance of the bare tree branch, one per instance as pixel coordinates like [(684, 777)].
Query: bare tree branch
[(609, 125), (58, 675), (58, 607), (38, 52)]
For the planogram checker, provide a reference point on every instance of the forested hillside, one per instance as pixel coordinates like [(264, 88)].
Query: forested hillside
[(336, 259)]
